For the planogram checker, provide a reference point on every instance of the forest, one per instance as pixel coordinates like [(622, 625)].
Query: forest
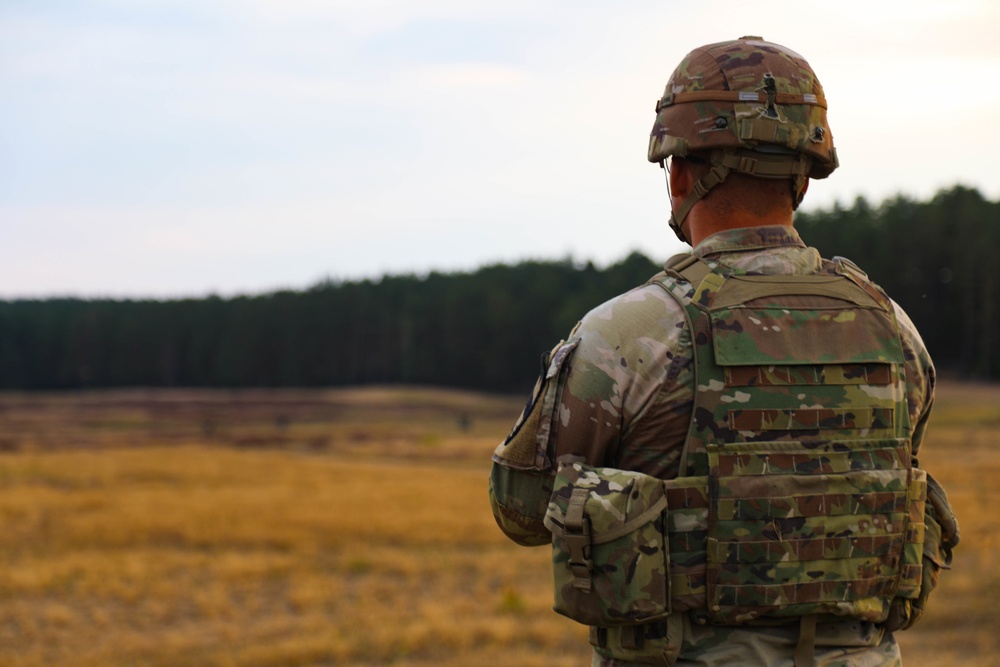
[(484, 329)]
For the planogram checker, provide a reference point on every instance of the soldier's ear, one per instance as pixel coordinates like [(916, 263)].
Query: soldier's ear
[(682, 178)]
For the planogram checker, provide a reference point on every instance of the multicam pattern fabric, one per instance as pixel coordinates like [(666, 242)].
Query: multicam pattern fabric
[(742, 94), (623, 397), (809, 483), (609, 535), (838, 644)]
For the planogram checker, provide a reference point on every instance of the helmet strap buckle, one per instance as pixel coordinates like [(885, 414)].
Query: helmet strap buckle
[(747, 165)]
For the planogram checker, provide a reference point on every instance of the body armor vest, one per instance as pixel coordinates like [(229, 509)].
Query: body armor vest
[(796, 494)]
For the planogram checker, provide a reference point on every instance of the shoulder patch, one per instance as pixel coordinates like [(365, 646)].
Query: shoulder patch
[(527, 446)]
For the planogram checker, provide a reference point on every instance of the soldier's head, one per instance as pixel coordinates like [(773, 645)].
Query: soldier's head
[(746, 113)]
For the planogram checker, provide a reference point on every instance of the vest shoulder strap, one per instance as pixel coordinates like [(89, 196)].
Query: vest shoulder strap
[(688, 267)]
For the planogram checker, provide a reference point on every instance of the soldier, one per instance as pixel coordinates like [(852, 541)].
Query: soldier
[(724, 459)]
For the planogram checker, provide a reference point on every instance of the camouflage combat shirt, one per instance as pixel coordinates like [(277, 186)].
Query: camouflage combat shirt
[(619, 392)]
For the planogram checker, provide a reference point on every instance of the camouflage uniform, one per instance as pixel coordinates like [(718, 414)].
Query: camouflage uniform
[(724, 459), (619, 393)]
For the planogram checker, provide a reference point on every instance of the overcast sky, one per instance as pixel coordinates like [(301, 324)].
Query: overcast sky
[(187, 147)]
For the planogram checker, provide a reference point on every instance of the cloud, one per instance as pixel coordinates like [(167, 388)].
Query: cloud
[(467, 76), (263, 142)]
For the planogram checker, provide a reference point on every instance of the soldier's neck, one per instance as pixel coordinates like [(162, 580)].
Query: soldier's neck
[(703, 224)]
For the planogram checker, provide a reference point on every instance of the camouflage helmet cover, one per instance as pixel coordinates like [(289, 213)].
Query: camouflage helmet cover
[(746, 94)]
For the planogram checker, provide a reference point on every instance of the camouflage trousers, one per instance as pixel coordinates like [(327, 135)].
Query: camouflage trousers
[(847, 643)]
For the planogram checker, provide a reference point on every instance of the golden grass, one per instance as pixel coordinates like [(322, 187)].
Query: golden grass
[(196, 555), (963, 452), (339, 528)]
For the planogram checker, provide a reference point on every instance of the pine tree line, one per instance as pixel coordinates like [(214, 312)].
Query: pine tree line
[(483, 329)]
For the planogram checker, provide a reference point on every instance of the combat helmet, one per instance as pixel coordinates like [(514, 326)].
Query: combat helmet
[(745, 105)]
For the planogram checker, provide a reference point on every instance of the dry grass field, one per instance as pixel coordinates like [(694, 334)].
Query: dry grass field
[(274, 528)]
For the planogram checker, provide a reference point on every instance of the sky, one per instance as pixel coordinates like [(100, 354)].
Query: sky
[(182, 148)]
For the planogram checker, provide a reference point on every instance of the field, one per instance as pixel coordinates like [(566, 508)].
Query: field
[(273, 528)]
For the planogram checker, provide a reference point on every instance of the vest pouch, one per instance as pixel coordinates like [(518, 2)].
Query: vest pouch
[(609, 549), (923, 562), (657, 643)]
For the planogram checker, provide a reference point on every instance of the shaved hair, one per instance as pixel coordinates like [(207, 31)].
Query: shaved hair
[(760, 197)]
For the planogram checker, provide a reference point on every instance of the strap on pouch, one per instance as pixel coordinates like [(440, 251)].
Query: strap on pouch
[(577, 537)]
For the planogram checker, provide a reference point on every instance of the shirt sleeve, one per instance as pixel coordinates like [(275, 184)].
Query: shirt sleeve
[(626, 403), (607, 393), (522, 473), (920, 378)]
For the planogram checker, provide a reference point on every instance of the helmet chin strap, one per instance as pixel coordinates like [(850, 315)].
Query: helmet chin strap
[(678, 217), (798, 190)]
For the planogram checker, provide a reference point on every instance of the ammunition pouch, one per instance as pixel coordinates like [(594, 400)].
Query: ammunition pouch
[(609, 537)]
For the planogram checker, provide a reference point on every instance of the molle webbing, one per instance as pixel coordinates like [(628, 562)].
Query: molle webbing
[(798, 496), (687, 516)]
